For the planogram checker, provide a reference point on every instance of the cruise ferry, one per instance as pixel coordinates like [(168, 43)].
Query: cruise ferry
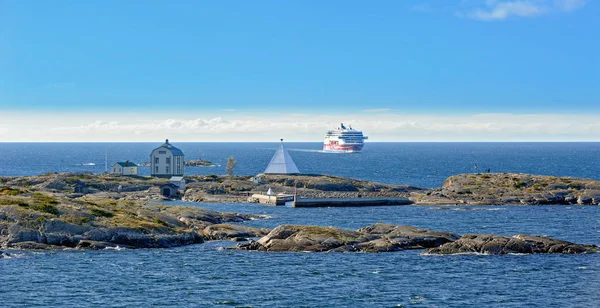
[(344, 139)]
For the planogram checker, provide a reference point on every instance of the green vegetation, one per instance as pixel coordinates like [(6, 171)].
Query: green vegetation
[(160, 222), (45, 208), (101, 213), (18, 202), (9, 191), (520, 185)]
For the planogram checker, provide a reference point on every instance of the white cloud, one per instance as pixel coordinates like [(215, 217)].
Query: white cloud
[(379, 127), (495, 10), (502, 10)]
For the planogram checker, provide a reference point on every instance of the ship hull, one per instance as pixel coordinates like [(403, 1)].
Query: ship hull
[(345, 148)]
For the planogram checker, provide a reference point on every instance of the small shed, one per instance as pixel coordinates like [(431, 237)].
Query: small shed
[(179, 181), (81, 188), (169, 190), (125, 168)]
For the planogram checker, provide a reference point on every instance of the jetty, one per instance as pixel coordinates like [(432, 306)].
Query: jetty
[(346, 202), (280, 199)]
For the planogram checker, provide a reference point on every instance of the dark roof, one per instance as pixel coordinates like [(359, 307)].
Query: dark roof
[(175, 151), (127, 164), (170, 185)]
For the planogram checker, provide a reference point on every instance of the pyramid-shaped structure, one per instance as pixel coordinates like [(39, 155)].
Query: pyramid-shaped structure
[(282, 163)]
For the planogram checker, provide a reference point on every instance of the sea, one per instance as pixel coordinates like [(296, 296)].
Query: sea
[(212, 275)]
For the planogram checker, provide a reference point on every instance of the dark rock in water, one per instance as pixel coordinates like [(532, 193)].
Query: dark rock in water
[(232, 232), (94, 245), (376, 238), (32, 245), (493, 244)]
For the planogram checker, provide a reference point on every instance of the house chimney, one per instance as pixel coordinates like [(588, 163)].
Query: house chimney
[(167, 141), (126, 163)]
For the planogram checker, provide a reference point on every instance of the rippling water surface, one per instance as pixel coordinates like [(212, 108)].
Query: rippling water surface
[(210, 275)]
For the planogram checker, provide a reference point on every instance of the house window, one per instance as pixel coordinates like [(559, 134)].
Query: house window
[(168, 160), (167, 169), (162, 152), (156, 169), (131, 170), (156, 160)]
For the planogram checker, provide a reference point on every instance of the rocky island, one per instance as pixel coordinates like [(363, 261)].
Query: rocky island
[(511, 188), (38, 219), (51, 211), (388, 238)]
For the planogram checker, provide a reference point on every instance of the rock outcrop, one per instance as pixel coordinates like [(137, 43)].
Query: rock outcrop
[(51, 221), (511, 188), (388, 238), (494, 244), (375, 238), (232, 232)]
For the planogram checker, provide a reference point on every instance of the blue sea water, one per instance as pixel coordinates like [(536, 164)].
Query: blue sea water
[(208, 274)]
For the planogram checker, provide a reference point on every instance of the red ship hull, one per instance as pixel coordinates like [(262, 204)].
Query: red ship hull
[(343, 147)]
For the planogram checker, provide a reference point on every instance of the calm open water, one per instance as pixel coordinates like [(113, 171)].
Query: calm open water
[(209, 275)]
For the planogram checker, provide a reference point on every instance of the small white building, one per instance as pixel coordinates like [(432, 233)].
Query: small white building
[(166, 161), (281, 163), (179, 181), (125, 168)]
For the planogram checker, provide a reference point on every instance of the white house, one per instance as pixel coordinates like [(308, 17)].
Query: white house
[(125, 168), (166, 161)]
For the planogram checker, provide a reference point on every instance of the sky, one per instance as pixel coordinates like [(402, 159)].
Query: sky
[(404, 70)]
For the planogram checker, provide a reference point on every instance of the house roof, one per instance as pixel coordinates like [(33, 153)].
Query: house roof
[(126, 164), (175, 151), (176, 179), (282, 162), (170, 185)]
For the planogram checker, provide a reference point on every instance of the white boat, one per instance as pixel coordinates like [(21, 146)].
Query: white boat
[(344, 139)]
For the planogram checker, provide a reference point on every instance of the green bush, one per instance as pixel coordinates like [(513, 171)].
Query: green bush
[(101, 213), (42, 199), (519, 185), (45, 208), (161, 222), (13, 202)]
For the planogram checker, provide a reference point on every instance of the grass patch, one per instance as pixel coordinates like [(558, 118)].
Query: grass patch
[(161, 222), (45, 208), (9, 191), (101, 213), (519, 185), (18, 202), (41, 199)]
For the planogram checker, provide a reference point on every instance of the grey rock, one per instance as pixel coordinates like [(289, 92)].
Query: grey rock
[(493, 244)]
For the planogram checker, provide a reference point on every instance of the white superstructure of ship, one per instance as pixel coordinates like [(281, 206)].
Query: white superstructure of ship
[(344, 139)]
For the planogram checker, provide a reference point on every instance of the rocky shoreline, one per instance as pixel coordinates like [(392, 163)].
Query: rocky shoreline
[(42, 220), (511, 189), (390, 238), (44, 212)]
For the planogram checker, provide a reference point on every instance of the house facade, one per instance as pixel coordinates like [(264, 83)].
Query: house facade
[(125, 168), (166, 161)]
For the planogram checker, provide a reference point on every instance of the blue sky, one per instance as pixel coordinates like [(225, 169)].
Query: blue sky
[(232, 59)]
